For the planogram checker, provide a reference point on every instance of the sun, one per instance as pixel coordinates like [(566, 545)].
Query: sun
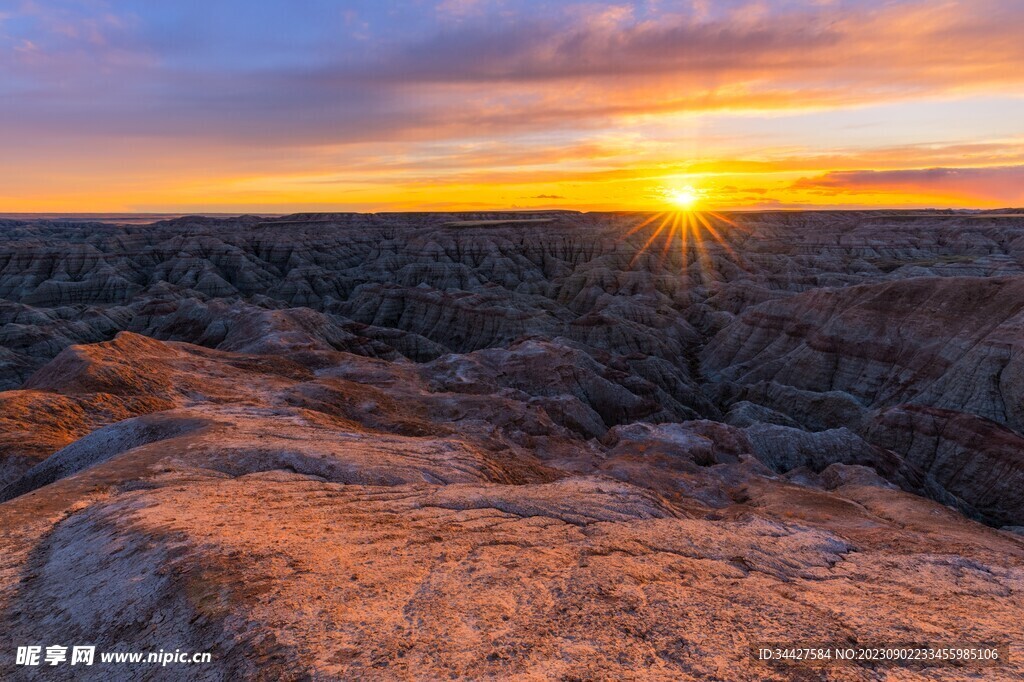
[(684, 198)]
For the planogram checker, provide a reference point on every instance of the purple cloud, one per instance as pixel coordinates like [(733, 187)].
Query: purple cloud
[(994, 184)]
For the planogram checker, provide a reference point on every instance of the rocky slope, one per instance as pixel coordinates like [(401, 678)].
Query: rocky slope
[(435, 446)]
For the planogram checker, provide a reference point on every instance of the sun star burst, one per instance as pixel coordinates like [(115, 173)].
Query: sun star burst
[(690, 230)]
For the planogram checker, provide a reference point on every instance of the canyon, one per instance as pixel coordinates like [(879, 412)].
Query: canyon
[(547, 445)]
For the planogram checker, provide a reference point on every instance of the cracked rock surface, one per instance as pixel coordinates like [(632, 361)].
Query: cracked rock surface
[(457, 447)]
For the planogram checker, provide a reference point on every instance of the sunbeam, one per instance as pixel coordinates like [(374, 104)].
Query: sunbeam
[(689, 230)]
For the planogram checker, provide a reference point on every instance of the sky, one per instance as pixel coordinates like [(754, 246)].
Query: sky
[(381, 105)]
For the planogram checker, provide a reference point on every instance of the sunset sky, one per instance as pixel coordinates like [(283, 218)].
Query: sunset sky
[(374, 105)]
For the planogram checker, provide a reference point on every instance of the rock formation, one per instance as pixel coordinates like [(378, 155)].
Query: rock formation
[(467, 446)]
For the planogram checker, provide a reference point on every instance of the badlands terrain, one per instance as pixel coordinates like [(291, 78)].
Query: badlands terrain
[(552, 446)]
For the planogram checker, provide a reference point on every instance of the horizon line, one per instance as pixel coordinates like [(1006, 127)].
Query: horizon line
[(274, 214)]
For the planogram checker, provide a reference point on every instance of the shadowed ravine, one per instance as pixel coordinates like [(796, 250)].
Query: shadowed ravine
[(432, 446)]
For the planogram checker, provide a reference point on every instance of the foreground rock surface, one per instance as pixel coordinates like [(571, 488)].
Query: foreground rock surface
[(418, 447)]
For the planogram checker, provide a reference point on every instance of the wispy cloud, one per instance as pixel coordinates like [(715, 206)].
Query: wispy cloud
[(526, 71)]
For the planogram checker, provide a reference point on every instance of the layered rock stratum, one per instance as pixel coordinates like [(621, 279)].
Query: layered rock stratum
[(506, 446)]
